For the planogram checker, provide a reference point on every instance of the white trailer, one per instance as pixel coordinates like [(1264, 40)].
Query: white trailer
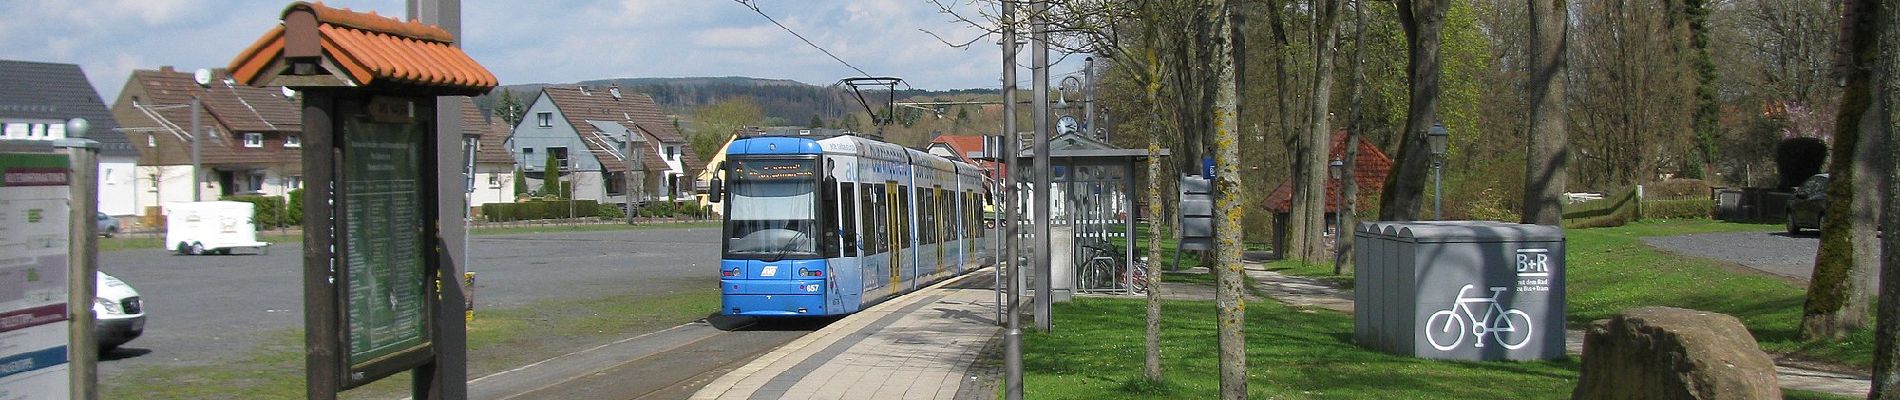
[(207, 227)]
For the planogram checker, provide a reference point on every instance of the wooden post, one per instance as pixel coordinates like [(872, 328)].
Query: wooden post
[(322, 364)]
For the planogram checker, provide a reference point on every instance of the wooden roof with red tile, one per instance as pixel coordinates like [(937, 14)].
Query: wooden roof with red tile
[(1368, 174), (371, 50)]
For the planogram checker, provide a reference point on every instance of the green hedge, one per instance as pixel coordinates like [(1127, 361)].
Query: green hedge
[(267, 211), (539, 209), (1612, 211), (1679, 209)]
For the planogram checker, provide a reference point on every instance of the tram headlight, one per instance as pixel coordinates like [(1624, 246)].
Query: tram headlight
[(729, 273), (811, 272)]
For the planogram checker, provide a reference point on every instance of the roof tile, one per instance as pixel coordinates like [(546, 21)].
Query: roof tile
[(372, 50)]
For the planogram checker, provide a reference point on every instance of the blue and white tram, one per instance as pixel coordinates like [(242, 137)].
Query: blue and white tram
[(829, 226)]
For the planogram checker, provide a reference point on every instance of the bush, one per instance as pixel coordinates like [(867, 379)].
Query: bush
[(1796, 159), (293, 212), (1678, 189), (1613, 211), (539, 209), (609, 211), (1679, 209), (266, 211)]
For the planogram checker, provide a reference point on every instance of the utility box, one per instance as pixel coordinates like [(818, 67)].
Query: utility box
[(1460, 290), (1196, 213)]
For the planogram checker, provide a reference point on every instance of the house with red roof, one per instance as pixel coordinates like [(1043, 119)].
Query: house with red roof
[(1368, 174)]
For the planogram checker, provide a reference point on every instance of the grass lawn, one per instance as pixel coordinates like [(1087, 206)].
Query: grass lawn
[(498, 339), (1612, 270), (1096, 353)]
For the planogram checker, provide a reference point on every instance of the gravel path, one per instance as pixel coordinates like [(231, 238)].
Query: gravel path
[(1772, 252)]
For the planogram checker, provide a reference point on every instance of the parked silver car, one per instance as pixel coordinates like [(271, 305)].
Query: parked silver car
[(108, 226)]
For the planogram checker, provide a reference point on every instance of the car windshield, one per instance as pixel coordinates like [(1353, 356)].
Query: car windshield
[(772, 213)]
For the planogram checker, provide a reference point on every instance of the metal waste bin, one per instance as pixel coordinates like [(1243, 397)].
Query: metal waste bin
[(1460, 290)]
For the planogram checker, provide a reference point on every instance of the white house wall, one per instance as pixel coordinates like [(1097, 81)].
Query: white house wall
[(502, 188), (118, 185)]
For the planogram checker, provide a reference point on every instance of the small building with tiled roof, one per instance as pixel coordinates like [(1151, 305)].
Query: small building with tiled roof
[(1368, 175), (36, 100), (609, 143), (965, 148), (249, 144)]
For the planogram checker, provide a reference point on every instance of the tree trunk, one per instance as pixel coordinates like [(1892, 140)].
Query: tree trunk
[(1837, 301), (1157, 227), (1546, 160), (1318, 153), (1405, 186), (1298, 243), (1349, 186), (1228, 210), (1886, 379)]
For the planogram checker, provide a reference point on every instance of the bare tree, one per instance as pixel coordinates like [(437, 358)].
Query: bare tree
[(1228, 208), (1886, 379), (1312, 152), (1405, 186), (1838, 295), (1546, 161), (1349, 185)]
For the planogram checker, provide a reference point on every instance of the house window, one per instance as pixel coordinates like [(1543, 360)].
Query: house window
[(56, 131), (16, 131), (494, 181), (559, 153), (672, 153), (293, 141), (256, 183), (253, 139), (154, 186), (151, 140), (544, 119), (293, 182)]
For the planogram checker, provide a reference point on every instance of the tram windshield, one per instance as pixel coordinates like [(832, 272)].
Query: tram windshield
[(773, 210)]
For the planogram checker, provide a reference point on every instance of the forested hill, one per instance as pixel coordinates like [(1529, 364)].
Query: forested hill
[(784, 102)]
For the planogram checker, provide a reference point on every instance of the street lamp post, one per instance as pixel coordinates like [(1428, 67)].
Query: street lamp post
[(1437, 137), (1337, 169)]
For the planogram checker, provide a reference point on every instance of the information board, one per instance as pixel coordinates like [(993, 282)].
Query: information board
[(34, 234), (385, 233)]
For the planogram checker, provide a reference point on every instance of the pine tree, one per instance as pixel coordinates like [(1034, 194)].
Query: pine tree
[(551, 177)]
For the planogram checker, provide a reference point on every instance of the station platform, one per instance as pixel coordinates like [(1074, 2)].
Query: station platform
[(930, 344)]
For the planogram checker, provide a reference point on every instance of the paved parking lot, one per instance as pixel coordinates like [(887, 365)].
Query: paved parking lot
[(202, 308)]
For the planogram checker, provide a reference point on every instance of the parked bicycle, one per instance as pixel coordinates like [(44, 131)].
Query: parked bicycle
[(1508, 327), (1103, 269)]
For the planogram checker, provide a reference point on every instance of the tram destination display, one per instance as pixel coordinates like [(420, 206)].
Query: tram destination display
[(385, 236)]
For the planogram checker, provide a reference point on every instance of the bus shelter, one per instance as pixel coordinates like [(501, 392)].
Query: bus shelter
[(1093, 189)]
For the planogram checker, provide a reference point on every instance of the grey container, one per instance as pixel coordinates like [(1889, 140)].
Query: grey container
[(1460, 290)]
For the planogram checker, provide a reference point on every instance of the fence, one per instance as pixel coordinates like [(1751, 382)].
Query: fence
[(1632, 205)]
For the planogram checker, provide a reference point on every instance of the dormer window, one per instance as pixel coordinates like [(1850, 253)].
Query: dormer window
[(293, 141), (253, 140), (672, 153)]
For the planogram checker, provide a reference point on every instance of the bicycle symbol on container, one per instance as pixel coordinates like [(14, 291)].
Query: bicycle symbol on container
[(1446, 330)]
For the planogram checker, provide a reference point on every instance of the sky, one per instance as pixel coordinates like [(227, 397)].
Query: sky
[(546, 41)]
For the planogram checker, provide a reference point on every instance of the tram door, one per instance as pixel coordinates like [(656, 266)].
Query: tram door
[(938, 201), (894, 218)]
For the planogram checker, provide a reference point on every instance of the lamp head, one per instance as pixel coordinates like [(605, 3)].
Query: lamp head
[(1337, 168), (1437, 137)]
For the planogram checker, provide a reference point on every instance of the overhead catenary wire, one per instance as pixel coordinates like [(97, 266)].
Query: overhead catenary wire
[(751, 4)]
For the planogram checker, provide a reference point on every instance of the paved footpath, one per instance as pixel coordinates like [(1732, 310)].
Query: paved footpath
[(925, 345), (1299, 291)]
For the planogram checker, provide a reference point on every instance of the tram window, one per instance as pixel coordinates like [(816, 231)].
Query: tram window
[(877, 229), (828, 231), (903, 213), (848, 220)]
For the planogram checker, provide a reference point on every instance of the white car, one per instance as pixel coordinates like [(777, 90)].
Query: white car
[(118, 313)]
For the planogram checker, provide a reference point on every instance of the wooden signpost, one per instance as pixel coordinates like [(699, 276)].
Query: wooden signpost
[(374, 241)]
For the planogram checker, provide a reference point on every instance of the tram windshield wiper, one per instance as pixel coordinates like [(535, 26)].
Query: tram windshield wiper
[(785, 249)]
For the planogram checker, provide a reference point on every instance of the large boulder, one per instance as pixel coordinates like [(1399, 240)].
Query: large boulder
[(1674, 353)]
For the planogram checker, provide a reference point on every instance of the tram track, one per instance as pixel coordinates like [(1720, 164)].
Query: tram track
[(668, 364)]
